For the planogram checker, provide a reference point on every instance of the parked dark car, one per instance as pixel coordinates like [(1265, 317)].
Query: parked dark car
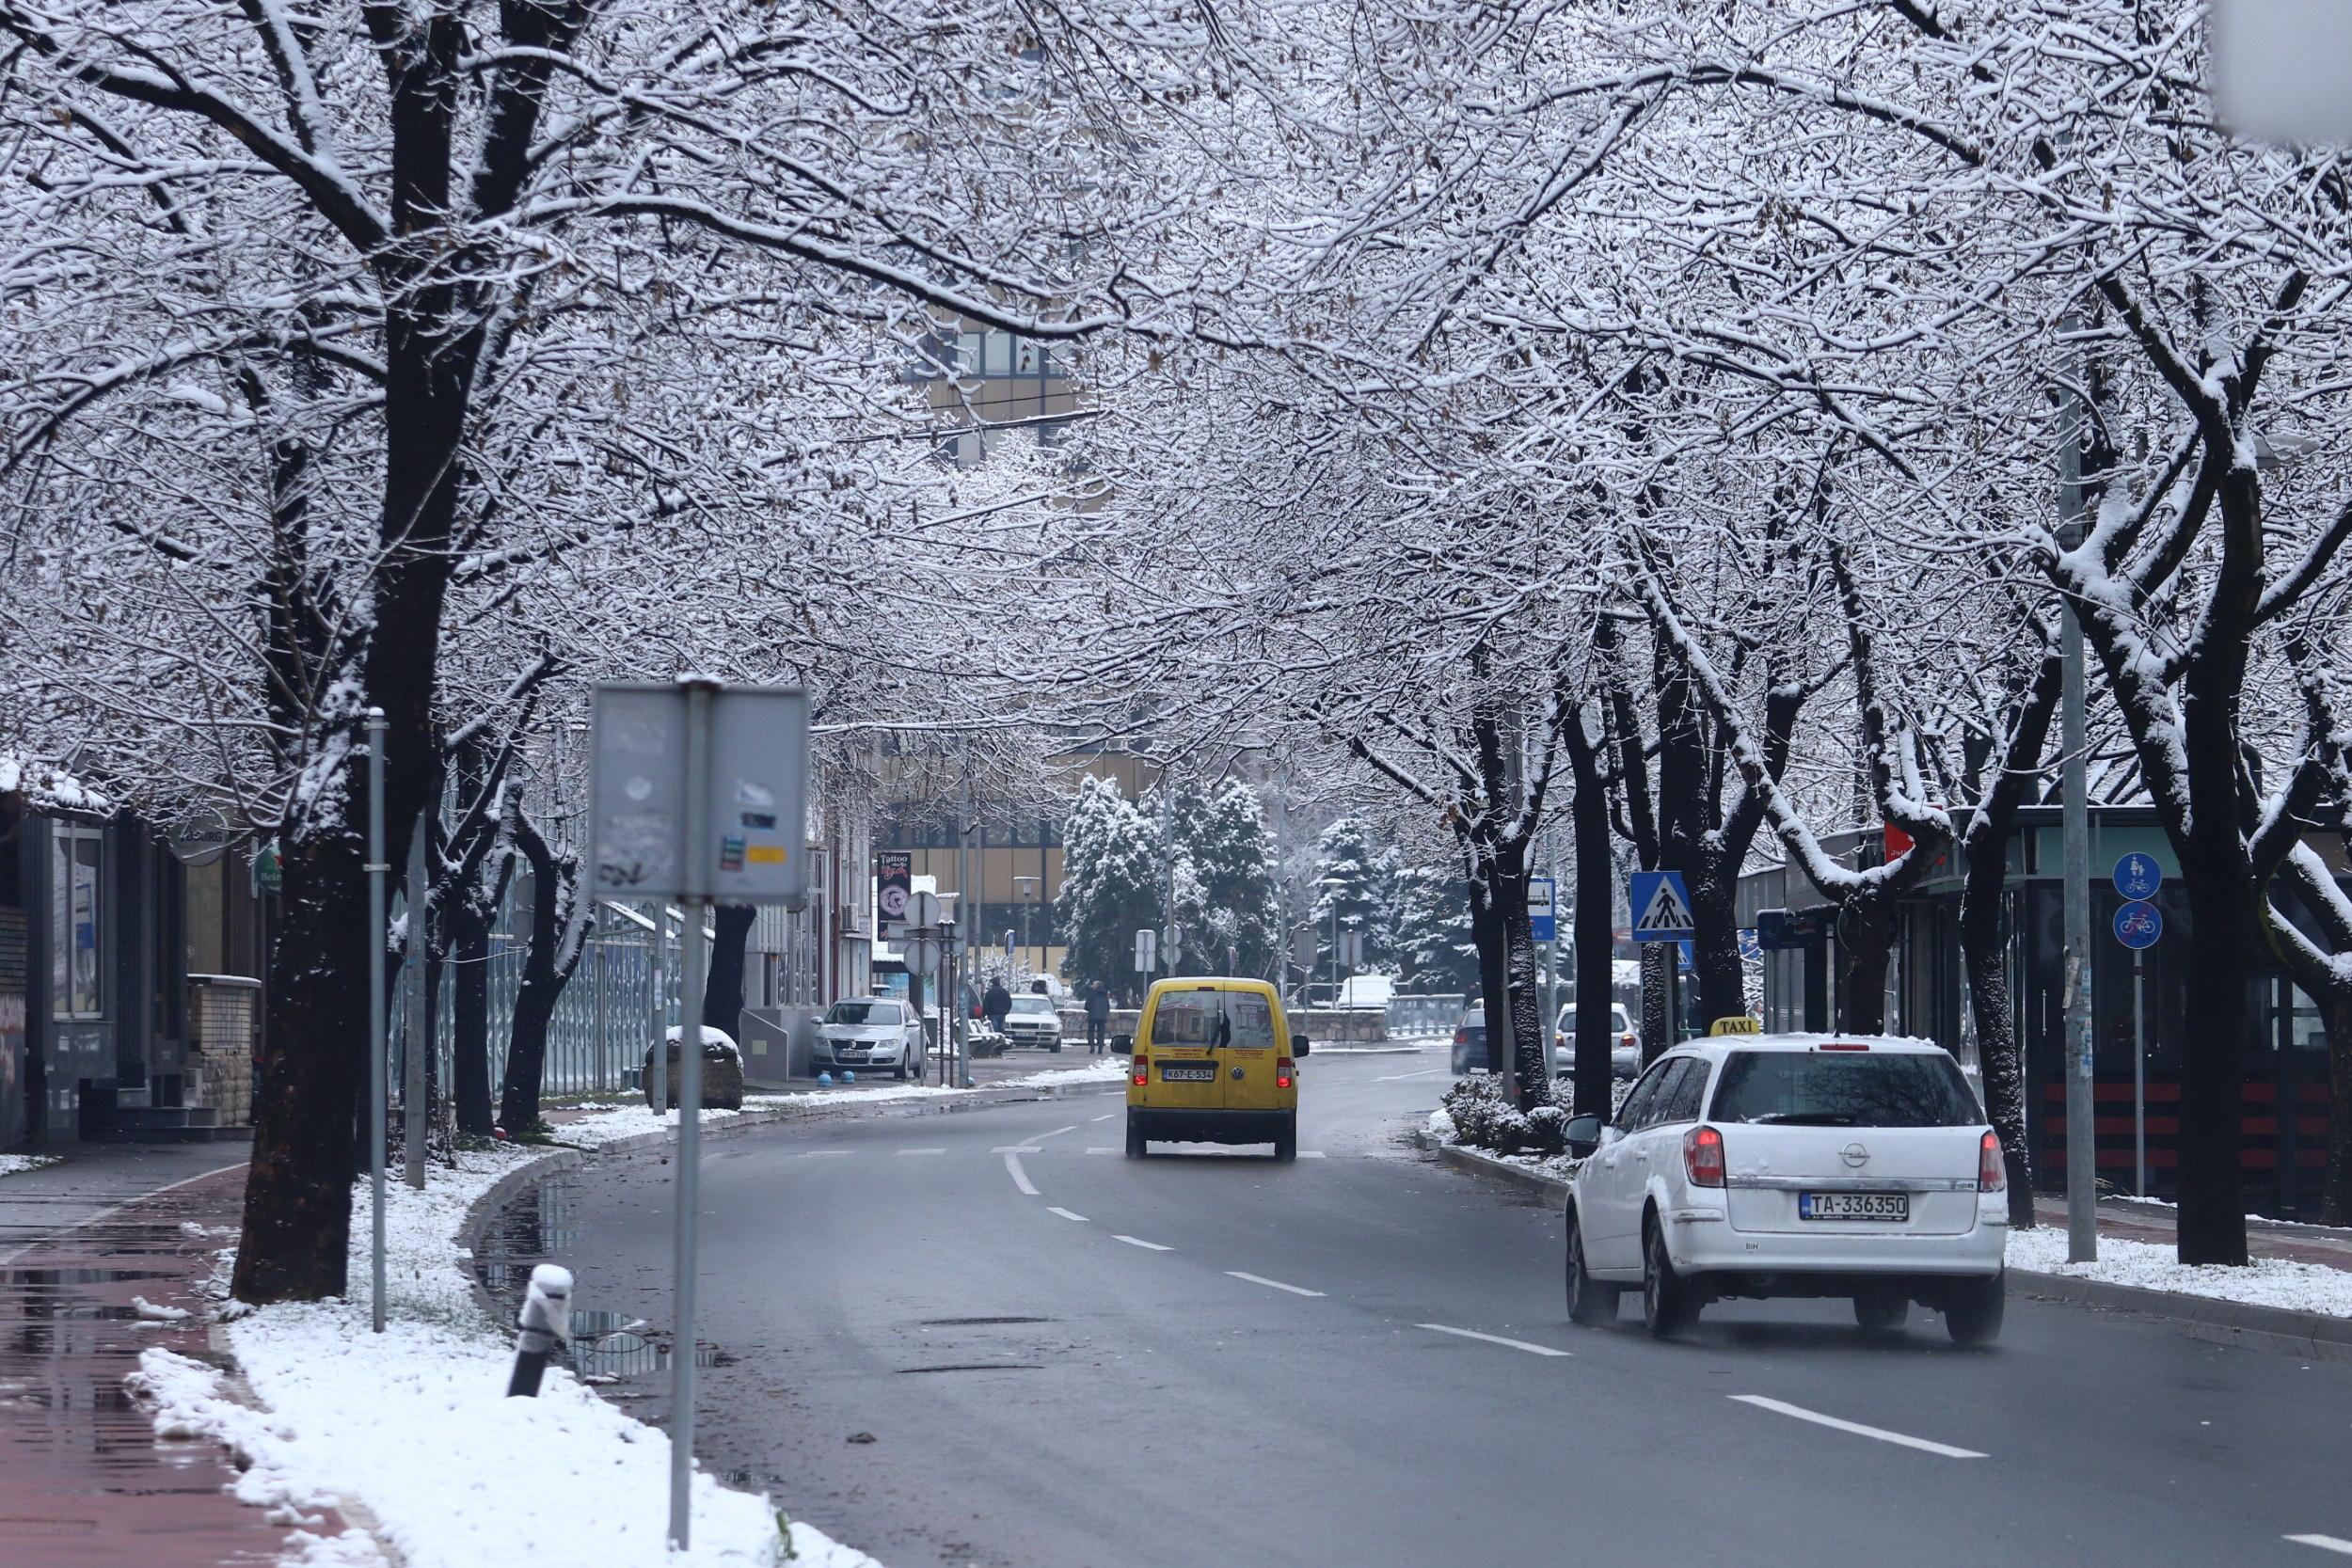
[(1470, 1040)]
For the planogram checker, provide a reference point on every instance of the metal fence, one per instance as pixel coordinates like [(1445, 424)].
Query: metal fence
[(1433, 1014), (597, 1038)]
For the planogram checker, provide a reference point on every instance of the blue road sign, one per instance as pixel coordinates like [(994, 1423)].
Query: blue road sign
[(1750, 948), (2138, 876), (1542, 914), (1686, 955), (2137, 925), (1661, 907)]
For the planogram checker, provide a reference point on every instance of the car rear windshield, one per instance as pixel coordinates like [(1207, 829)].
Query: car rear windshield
[(1032, 1005), (864, 1012), (1214, 1018), (1908, 1088)]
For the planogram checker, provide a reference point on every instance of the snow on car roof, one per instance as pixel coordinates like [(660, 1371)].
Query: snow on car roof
[(1893, 1043)]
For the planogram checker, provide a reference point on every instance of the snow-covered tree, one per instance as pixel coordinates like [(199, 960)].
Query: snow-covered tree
[(1112, 880)]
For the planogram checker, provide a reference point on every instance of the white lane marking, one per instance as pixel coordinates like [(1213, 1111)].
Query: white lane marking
[(2325, 1543), (1148, 1246), (1020, 1176), (822, 1153), (1068, 1215), (1106, 1148), (1801, 1414), (1276, 1284), (1494, 1339), (1311, 1154), (1016, 1148), (1055, 1133), (1400, 1077), (904, 1152), (1098, 1118)]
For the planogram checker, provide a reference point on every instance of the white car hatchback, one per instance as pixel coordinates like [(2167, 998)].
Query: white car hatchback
[(1763, 1166)]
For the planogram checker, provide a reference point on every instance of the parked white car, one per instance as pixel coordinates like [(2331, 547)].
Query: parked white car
[(870, 1032), (1793, 1166), (1033, 1022), (1625, 1047)]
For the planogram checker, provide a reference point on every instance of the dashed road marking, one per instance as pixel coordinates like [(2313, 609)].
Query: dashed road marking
[(2325, 1543), (1400, 1077), (1106, 1148), (904, 1152), (1107, 1118), (1494, 1339), (1273, 1284), (1055, 1133), (1148, 1246), (1066, 1214), (1900, 1439), (1016, 1148), (822, 1153), (1020, 1176), (1311, 1154)]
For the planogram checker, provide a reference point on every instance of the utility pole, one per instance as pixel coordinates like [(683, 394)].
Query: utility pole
[(657, 1008), (695, 838), (1167, 867), (968, 919), (418, 1032), (2082, 1149), (377, 870)]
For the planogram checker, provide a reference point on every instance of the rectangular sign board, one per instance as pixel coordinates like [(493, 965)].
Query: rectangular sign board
[(1542, 911), (753, 848)]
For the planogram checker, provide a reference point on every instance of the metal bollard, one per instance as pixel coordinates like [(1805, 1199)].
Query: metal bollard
[(546, 1321)]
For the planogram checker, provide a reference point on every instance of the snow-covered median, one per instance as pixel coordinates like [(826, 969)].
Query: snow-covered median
[(415, 1424), (10, 1165), (2151, 1266)]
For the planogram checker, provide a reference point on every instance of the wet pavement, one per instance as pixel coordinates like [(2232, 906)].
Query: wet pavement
[(84, 1482)]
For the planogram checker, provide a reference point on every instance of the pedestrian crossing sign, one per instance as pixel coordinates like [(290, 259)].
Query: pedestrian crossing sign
[(1661, 907)]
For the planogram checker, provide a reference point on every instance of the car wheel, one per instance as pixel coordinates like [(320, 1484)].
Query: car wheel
[(1286, 1141), (1135, 1149), (1055, 1048), (1973, 1310), (1668, 1304), (899, 1072), (1590, 1301), (1881, 1312)]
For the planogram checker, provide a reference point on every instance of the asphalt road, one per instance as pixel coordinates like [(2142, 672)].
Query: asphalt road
[(1066, 1358)]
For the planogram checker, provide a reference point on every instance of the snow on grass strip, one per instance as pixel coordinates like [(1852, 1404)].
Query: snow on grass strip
[(15, 1164), (2266, 1282), (414, 1423)]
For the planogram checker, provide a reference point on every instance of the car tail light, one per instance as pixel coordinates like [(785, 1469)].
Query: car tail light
[(1843, 1045), (1283, 1071), (1703, 1157), (1992, 1177), (1461, 1036), (1626, 1041), (1143, 1072)]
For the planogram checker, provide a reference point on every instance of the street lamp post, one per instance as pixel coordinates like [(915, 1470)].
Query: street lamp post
[(1028, 890)]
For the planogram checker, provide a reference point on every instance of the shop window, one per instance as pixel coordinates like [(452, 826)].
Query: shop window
[(76, 932)]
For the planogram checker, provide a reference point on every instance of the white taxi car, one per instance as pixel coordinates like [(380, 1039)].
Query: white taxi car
[(1793, 1166)]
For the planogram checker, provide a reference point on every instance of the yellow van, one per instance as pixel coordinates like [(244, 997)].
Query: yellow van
[(1213, 1061)]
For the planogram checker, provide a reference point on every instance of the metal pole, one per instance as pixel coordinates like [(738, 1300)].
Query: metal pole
[(378, 896), (968, 921), (659, 1012), (2139, 1072), (420, 1027), (2082, 1148), (693, 855)]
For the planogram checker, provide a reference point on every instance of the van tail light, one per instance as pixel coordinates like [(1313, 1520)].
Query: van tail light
[(1284, 1072), (1991, 1176), (1703, 1157), (1143, 1072)]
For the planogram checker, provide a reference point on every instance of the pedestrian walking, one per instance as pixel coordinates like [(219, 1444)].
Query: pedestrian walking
[(1098, 1018), (996, 1004)]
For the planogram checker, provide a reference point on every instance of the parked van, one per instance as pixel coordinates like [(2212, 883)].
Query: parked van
[(1213, 1061)]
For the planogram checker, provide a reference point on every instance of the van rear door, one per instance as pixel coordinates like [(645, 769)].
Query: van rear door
[(1255, 1046), (1183, 1041)]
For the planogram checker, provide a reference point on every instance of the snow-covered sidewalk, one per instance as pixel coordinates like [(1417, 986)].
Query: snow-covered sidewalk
[(414, 1425), (12, 1163)]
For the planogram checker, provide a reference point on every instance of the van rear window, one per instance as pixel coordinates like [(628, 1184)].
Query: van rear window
[(1213, 1018), (1910, 1089)]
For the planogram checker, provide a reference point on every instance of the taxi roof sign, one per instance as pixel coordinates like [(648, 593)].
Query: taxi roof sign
[(1746, 1023)]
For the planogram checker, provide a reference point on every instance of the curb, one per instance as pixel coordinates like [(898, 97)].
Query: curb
[(2313, 1336)]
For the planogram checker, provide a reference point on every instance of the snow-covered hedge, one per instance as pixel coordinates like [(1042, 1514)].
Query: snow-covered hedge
[(1483, 1120)]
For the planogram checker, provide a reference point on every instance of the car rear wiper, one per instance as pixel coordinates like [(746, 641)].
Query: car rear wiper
[(1804, 1119)]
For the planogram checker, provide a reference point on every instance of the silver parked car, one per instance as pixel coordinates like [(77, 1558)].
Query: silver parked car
[(871, 1032), (1625, 1049)]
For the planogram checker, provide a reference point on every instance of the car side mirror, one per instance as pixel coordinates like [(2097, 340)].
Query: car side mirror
[(1299, 1045), (1585, 1134), (1122, 1045)]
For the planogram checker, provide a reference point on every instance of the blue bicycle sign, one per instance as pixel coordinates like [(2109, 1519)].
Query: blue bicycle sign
[(2137, 877), (2138, 925)]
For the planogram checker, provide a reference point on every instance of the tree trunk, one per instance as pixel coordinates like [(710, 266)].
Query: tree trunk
[(2212, 1185), (1715, 944), (1866, 925), (1530, 1077), (1494, 962), (469, 1015), (1658, 1019), (1985, 955), (297, 1195), (554, 955), (722, 994), (1595, 938)]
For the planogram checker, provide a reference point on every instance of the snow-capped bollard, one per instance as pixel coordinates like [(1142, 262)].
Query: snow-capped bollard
[(546, 1321)]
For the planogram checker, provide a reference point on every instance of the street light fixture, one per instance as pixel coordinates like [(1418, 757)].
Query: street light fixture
[(1026, 890)]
